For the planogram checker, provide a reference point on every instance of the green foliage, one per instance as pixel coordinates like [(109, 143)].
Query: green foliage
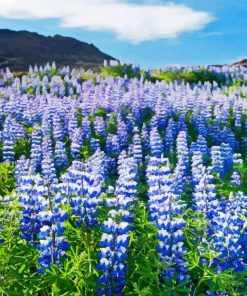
[(29, 130), (51, 72), (22, 147), (79, 116), (234, 86), (7, 180), (200, 257), (121, 70), (111, 126), (200, 75), (30, 90), (8, 82), (146, 115), (85, 150), (101, 112), (143, 260)]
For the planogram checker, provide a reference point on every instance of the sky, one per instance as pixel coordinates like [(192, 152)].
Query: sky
[(149, 33)]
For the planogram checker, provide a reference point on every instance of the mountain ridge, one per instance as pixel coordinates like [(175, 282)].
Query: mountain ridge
[(242, 62), (20, 49)]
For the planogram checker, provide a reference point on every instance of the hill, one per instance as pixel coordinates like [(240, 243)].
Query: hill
[(241, 63), (19, 49)]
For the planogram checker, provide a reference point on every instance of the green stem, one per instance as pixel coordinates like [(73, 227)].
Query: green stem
[(198, 285)]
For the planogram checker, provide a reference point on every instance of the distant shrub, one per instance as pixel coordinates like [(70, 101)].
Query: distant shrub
[(201, 75), (124, 70)]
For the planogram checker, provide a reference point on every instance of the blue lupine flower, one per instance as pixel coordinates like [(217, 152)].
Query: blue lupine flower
[(197, 167), (36, 149), (48, 169), (200, 145), (112, 144), (73, 124), (217, 161), (52, 244), (170, 135), (58, 131), (99, 126), (158, 178), (61, 159), (113, 252), (137, 148), (205, 200), (76, 143), (156, 144), (85, 128), (122, 134), (31, 190), (226, 154), (227, 233), (94, 144), (181, 172), (8, 150), (82, 184), (236, 178), (165, 209)]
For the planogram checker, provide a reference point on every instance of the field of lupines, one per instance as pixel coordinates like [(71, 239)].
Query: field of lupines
[(119, 186)]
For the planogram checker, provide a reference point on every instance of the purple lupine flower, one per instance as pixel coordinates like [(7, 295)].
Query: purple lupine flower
[(112, 144), (31, 190), (156, 144), (126, 186), (197, 167), (113, 253), (83, 186), (217, 161), (58, 132), (99, 126), (137, 148), (76, 143), (36, 149), (94, 144), (200, 145), (227, 232), (122, 134), (52, 244), (114, 241), (86, 128), (226, 153), (73, 124), (236, 178), (164, 209), (8, 150), (158, 178), (181, 172), (22, 168), (61, 159), (205, 200), (170, 135), (48, 169)]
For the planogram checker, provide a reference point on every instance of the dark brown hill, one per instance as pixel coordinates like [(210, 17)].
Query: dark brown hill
[(19, 49)]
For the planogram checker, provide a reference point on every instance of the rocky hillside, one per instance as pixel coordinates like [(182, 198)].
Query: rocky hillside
[(241, 63), (20, 49)]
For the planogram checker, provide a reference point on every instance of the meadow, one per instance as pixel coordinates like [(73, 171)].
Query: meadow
[(124, 182)]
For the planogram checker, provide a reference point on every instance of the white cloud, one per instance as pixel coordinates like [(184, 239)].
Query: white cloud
[(132, 22)]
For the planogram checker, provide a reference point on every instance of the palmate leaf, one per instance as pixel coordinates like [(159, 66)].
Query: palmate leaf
[(222, 281)]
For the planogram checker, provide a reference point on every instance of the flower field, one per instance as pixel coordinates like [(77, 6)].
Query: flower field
[(123, 186)]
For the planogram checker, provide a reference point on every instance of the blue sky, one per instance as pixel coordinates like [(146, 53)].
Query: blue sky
[(151, 33)]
